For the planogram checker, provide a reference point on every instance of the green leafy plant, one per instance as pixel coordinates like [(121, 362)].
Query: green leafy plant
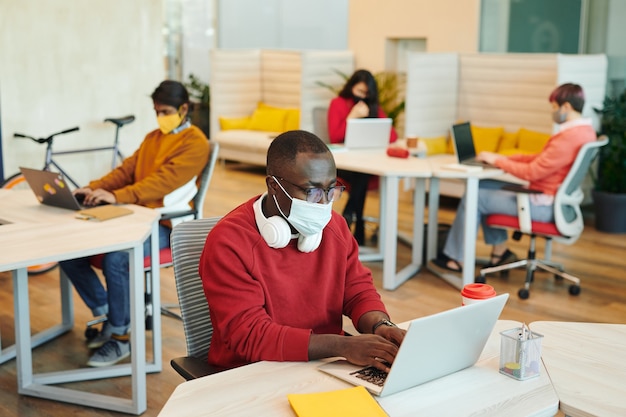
[(612, 161), (198, 90), (389, 95)]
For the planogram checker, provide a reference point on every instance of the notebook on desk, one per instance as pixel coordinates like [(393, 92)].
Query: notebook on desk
[(367, 133), (434, 346), (464, 149), (51, 189)]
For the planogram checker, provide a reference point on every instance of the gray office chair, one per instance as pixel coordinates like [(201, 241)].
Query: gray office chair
[(320, 123), (192, 213), (187, 242), (567, 226)]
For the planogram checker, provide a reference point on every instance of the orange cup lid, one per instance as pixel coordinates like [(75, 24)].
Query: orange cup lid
[(478, 291)]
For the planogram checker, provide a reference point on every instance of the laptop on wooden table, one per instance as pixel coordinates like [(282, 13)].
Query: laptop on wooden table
[(51, 189), (464, 149), (434, 346), (367, 133)]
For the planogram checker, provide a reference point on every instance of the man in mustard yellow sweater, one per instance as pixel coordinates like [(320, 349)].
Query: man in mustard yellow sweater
[(168, 158)]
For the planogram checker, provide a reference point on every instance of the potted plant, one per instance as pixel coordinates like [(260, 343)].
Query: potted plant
[(609, 194), (200, 96)]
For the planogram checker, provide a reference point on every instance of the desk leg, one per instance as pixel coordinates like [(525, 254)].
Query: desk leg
[(433, 210), (24, 355), (138, 329), (471, 211), (156, 364), (419, 202), (389, 233), (433, 218)]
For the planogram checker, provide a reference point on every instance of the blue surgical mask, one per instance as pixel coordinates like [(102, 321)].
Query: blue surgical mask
[(559, 117)]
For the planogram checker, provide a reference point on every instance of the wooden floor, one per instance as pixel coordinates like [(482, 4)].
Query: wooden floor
[(599, 259)]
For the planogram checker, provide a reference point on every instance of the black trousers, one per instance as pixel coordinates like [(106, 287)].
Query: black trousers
[(358, 183)]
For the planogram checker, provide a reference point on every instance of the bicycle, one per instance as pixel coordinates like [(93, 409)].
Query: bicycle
[(17, 180)]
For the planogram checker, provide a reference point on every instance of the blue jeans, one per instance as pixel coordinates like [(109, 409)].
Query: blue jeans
[(491, 199), (115, 303)]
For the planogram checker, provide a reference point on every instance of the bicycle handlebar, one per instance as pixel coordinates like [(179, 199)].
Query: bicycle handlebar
[(49, 138)]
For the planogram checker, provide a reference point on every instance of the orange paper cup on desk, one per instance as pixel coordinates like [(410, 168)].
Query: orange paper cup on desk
[(411, 141), (473, 293)]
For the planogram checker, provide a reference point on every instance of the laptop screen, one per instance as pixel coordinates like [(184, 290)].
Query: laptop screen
[(463, 141)]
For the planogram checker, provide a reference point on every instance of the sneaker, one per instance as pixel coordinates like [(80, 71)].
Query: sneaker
[(110, 353), (101, 338)]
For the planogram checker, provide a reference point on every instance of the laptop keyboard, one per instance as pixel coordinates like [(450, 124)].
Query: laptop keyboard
[(372, 375)]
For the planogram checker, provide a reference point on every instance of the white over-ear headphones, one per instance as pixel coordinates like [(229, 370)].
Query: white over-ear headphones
[(277, 233)]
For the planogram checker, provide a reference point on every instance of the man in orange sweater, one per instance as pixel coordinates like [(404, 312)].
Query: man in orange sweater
[(544, 171), (168, 158)]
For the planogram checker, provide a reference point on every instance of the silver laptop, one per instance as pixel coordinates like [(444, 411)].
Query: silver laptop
[(464, 145), (434, 346), (51, 189), (367, 133)]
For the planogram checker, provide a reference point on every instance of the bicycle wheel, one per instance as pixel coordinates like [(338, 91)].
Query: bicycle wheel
[(15, 182), (18, 182)]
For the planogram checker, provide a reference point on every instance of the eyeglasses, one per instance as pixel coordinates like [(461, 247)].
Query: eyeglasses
[(315, 194)]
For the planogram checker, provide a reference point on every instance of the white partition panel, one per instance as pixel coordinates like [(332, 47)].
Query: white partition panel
[(235, 84), (321, 67), (432, 93)]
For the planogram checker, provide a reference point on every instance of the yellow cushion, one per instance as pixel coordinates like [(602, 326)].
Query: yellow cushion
[(435, 145), (268, 119), (508, 141), (292, 119), (230, 123), (531, 141), (486, 138)]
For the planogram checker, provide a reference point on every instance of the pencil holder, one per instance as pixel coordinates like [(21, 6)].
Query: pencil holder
[(520, 353)]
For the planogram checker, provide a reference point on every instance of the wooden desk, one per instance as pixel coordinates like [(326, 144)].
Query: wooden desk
[(586, 364), (38, 234), (261, 389), (376, 162)]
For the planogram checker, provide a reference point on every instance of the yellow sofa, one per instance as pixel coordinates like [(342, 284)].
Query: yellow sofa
[(493, 139)]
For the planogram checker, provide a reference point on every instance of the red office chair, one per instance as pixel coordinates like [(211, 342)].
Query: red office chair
[(567, 226), (165, 255)]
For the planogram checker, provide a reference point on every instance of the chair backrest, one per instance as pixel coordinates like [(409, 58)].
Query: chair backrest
[(187, 241), (205, 180), (177, 210), (567, 214), (320, 123)]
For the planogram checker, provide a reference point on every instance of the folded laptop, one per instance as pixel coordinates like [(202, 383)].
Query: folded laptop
[(434, 346), (367, 133), (51, 189)]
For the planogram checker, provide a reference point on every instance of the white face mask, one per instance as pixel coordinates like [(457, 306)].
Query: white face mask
[(307, 218)]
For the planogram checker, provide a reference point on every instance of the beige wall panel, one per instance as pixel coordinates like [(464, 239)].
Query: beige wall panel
[(447, 26)]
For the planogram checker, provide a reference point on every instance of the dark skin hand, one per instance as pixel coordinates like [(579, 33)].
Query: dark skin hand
[(375, 350)]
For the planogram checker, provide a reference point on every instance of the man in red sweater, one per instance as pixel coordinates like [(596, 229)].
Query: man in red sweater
[(280, 270)]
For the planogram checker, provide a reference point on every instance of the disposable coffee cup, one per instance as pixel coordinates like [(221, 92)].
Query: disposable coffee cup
[(475, 293), (411, 142)]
